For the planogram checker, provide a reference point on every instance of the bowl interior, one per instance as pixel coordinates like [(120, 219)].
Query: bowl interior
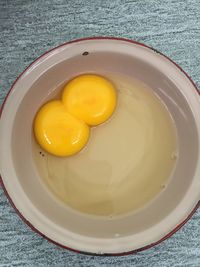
[(103, 63), (40, 83)]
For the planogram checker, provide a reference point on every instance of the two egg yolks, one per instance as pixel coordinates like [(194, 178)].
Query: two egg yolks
[(62, 127)]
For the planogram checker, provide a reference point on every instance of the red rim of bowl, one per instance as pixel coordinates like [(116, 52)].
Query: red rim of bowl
[(29, 223)]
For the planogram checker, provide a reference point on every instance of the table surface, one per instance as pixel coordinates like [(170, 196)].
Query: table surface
[(28, 29)]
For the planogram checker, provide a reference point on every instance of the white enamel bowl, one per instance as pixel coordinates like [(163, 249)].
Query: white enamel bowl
[(21, 180)]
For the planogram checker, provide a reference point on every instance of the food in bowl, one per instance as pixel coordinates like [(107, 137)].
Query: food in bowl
[(62, 126), (127, 162)]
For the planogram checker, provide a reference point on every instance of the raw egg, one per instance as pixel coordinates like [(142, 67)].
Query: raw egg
[(58, 132), (90, 98), (62, 126)]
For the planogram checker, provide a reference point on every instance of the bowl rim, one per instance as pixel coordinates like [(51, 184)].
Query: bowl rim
[(29, 223)]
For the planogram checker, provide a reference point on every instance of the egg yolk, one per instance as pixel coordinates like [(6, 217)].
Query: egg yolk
[(62, 127), (90, 98), (58, 132)]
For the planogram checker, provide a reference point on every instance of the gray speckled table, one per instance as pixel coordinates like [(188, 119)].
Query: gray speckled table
[(29, 28)]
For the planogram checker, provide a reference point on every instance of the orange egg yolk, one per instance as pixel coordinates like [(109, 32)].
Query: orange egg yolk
[(90, 98), (58, 132), (61, 127)]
